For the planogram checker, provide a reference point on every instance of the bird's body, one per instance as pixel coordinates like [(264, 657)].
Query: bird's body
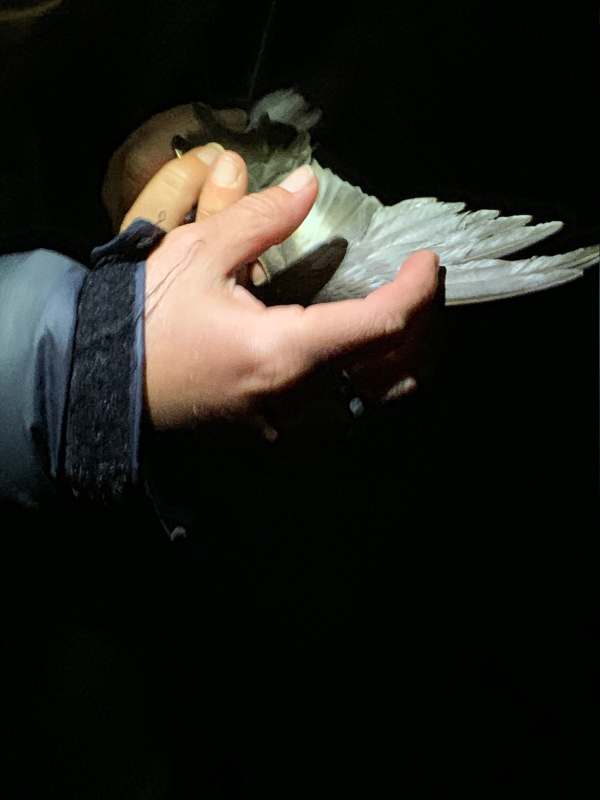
[(471, 245)]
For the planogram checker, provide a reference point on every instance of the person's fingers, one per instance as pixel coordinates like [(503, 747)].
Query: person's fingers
[(330, 330), (226, 183), (175, 188), (385, 377), (376, 374), (240, 233)]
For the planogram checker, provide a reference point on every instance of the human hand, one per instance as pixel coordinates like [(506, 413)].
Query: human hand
[(147, 149), (213, 351)]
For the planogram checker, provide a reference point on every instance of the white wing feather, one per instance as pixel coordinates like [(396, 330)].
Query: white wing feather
[(471, 245)]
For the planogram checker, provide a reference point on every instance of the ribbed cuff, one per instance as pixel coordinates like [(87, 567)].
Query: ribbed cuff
[(102, 442)]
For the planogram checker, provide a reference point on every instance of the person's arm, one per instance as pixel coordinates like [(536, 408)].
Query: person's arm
[(39, 292), (72, 351), (211, 349)]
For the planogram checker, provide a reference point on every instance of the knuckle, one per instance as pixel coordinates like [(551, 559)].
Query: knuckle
[(257, 218), (256, 223), (265, 364), (185, 236), (175, 177), (265, 206), (271, 363), (392, 323)]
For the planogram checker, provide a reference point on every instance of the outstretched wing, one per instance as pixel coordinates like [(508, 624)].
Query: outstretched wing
[(472, 245)]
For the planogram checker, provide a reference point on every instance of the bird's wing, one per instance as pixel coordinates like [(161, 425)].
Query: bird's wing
[(340, 210), (325, 223), (471, 244), (496, 279)]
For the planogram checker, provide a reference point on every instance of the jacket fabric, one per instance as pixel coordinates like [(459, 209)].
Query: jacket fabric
[(71, 367)]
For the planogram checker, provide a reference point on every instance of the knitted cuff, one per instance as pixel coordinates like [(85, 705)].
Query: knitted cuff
[(101, 453)]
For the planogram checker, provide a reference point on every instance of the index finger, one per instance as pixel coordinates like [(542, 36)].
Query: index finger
[(330, 330), (174, 190)]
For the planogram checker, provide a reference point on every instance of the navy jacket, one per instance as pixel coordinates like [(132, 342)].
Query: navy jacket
[(71, 368)]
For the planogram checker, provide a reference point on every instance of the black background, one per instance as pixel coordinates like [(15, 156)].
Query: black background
[(414, 610)]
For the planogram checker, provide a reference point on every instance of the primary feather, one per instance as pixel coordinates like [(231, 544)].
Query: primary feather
[(472, 245)]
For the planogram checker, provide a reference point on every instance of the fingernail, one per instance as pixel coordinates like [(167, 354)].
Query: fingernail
[(298, 179), (400, 389), (257, 274), (226, 171), (208, 154)]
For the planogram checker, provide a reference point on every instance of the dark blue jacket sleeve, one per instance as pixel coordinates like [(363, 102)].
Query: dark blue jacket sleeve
[(71, 371), (39, 292)]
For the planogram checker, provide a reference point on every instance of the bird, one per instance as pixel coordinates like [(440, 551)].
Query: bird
[(351, 243)]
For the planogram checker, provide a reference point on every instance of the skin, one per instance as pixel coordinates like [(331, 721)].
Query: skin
[(148, 149), (213, 351)]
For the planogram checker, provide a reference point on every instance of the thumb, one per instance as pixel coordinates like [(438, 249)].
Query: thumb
[(257, 221)]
